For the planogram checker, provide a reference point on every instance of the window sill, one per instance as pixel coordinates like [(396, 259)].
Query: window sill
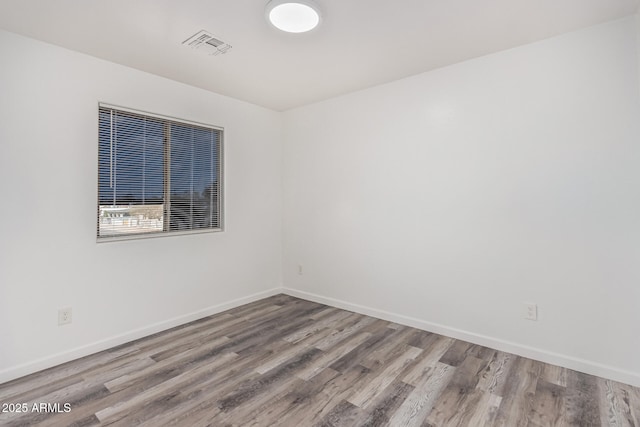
[(140, 236)]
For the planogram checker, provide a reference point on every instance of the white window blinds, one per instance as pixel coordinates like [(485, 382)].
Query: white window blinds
[(156, 175)]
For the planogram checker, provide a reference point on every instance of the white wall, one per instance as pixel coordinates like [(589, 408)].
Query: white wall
[(638, 42), (118, 291), (448, 199)]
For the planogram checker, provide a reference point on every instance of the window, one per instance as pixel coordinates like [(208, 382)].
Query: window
[(156, 175)]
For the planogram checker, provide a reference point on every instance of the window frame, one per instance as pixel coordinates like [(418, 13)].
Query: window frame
[(164, 233)]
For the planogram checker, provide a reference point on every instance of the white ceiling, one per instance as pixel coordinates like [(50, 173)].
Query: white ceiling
[(361, 43)]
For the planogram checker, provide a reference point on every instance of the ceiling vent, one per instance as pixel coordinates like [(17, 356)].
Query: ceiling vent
[(207, 43)]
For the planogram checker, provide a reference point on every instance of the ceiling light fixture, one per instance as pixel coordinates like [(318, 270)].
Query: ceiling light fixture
[(293, 16)]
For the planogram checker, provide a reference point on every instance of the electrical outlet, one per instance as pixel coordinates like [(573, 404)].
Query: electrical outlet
[(300, 269), (64, 316), (531, 311)]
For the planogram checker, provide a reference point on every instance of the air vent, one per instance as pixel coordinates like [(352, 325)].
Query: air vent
[(207, 43)]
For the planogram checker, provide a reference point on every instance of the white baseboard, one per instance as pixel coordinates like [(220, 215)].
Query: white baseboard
[(577, 364), (85, 350), (570, 362)]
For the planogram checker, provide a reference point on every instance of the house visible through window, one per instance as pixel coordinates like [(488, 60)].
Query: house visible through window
[(157, 175)]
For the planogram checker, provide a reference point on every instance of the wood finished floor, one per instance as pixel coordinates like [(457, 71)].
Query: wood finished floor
[(289, 362)]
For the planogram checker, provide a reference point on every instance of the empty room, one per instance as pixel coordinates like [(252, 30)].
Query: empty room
[(320, 213)]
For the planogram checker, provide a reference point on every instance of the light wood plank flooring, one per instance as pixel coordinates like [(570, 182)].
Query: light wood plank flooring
[(289, 362)]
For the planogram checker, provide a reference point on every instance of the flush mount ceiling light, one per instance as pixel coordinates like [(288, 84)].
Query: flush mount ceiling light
[(293, 16)]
